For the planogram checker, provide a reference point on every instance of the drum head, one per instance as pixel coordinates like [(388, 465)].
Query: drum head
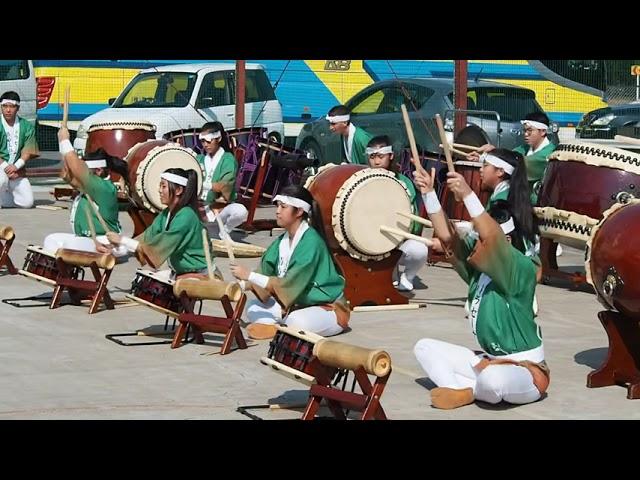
[(472, 135), (156, 162), (368, 199)]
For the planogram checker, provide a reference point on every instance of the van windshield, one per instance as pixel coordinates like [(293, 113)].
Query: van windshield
[(158, 89), (14, 69), (513, 104)]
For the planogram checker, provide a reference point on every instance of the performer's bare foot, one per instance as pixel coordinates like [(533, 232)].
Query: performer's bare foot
[(448, 398), (261, 331)]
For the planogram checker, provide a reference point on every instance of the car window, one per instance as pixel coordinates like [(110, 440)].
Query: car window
[(158, 89), (14, 69), (389, 99), (513, 104), (258, 88), (215, 90)]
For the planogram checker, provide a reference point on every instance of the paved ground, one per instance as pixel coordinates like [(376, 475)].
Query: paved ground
[(57, 364)]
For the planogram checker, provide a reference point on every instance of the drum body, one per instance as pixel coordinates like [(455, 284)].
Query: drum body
[(613, 260), (41, 265), (155, 292), (147, 161), (290, 354), (471, 173), (580, 183), (353, 202)]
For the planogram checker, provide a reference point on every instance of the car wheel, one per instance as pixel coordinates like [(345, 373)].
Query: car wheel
[(275, 136), (313, 149)]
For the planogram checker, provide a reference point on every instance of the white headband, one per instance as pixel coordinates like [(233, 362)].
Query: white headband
[(534, 124), (293, 201), (210, 136), (497, 162), (508, 226), (372, 150), (8, 101), (173, 178), (338, 118), (96, 163)]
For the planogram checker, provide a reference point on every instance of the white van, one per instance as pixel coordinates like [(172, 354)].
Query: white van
[(186, 96), (18, 76)]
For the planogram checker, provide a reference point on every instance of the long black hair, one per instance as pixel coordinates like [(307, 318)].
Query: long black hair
[(114, 164), (501, 212), (214, 127), (189, 196), (519, 194)]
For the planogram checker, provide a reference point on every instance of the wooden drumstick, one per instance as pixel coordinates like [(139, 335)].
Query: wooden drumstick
[(226, 240), (65, 106), (415, 159), (207, 254), (416, 218), (455, 150), (445, 143), (406, 235), (92, 227), (466, 147), (97, 212), (379, 308)]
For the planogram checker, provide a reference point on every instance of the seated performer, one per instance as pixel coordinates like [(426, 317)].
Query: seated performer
[(414, 253), (297, 283), (354, 139), (502, 281), (176, 233), (18, 145), (91, 177), (219, 183)]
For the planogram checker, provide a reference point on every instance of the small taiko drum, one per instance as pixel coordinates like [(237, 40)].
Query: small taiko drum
[(353, 202), (156, 292), (581, 182), (41, 265), (290, 353), (612, 262), (147, 161)]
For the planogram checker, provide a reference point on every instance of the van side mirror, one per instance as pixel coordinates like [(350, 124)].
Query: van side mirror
[(111, 100), (205, 102)]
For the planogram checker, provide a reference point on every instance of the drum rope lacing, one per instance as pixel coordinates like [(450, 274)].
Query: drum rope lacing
[(589, 150), (562, 225)]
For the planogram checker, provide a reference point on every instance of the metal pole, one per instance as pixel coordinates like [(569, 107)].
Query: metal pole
[(637, 87), (240, 88), (460, 94)]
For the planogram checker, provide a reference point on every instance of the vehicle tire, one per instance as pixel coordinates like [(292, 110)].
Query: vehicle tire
[(275, 136), (312, 147)]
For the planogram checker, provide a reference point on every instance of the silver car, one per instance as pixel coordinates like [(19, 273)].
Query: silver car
[(496, 108)]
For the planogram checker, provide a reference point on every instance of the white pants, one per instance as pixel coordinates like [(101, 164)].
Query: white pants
[(414, 256), (449, 365), (232, 216), (312, 319), (54, 241), (15, 193)]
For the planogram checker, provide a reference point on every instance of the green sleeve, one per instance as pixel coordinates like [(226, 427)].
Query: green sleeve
[(269, 262), (4, 148), (159, 243), (298, 278), (29, 141), (462, 248)]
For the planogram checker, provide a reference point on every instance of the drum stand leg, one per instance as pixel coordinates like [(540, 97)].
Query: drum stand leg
[(622, 366), (367, 402), (229, 325), (114, 337), (98, 287), (4, 257), (550, 264)]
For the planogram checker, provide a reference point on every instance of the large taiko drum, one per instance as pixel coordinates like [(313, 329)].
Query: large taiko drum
[(116, 138), (147, 161), (581, 182), (354, 201), (612, 261)]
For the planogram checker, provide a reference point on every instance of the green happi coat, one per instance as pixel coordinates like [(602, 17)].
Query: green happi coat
[(500, 193), (104, 193), (416, 228), (180, 243), (225, 172), (311, 277), (502, 283), (360, 140), (536, 164), (27, 143)]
